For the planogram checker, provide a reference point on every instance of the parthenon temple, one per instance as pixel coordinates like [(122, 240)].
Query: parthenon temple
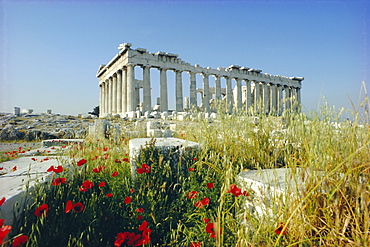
[(254, 92)]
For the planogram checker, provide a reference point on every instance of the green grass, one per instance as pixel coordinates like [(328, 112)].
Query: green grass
[(331, 210)]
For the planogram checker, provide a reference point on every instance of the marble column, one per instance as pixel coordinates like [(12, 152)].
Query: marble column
[(114, 93), (206, 98), (163, 90), (287, 98), (248, 96), (298, 93), (179, 96), (193, 90), (229, 96), (147, 99), (279, 95), (131, 96), (101, 98), (218, 87), (119, 91), (105, 100), (257, 96), (273, 100), (110, 95), (238, 105), (124, 90), (266, 96)]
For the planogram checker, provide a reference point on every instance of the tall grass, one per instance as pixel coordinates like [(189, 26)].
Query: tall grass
[(331, 209)]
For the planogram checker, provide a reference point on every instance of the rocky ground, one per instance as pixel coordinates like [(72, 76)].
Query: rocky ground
[(33, 127), (11, 146)]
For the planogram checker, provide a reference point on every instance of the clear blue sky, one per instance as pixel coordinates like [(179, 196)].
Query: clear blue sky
[(50, 50)]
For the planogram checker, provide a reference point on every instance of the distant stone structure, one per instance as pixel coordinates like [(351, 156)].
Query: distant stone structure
[(17, 111), (120, 91)]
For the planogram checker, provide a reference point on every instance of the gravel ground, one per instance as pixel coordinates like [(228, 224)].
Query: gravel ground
[(11, 146)]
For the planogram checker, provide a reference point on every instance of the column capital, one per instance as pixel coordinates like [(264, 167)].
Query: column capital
[(145, 66)]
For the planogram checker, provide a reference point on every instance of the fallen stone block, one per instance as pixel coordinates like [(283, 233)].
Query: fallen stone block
[(271, 189), (171, 148), (16, 185), (61, 142)]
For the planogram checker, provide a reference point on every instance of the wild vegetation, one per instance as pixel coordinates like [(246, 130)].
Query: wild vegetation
[(93, 199)]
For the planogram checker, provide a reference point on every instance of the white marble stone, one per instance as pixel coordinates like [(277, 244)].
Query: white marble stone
[(13, 184), (164, 144), (270, 187), (112, 93)]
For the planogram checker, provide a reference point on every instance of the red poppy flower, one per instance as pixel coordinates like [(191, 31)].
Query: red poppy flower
[(133, 238), (34, 159), (86, 186), (127, 200), (205, 201), (191, 194), (42, 210), (201, 203), (236, 191), (126, 159), (139, 217), (143, 226), (205, 220), (19, 241), (114, 174), (140, 210), (195, 244), (1, 168), (77, 207), (81, 162), (210, 228), (191, 169), (210, 185), (59, 181), (102, 184), (194, 159), (14, 168), (105, 149), (144, 168), (109, 195), (117, 161), (98, 169), (3, 232), (120, 238), (59, 169), (198, 204), (145, 237), (279, 230), (132, 190), (2, 201)]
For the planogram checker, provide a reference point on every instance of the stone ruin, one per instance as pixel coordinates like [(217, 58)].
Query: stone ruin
[(256, 92)]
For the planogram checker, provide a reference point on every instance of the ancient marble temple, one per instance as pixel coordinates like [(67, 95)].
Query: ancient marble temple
[(254, 92)]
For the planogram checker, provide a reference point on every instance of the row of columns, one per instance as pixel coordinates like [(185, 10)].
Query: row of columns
[(120, 93)]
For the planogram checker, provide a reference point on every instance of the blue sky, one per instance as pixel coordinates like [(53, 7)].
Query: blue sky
[(50, 50)]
